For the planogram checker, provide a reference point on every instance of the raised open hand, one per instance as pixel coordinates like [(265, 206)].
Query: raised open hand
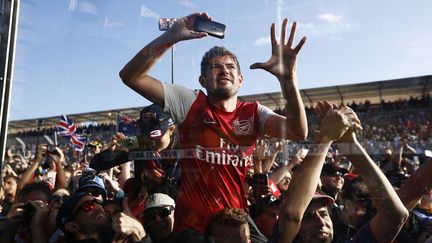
[(283, 59)]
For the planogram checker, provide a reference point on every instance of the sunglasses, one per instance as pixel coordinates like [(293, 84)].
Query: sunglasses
[(150, 215), (89, 206), (93, 192), (335, 174), (57, 198)]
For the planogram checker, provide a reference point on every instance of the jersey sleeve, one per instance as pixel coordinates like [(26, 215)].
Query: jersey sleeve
[(264, 113), (178, 100)]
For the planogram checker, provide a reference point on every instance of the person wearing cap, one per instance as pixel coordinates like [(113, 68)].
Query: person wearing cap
[(217, 132), (332, 179), (158, 219), (154, 156), (92, 184), (390, 211), (83, 219)]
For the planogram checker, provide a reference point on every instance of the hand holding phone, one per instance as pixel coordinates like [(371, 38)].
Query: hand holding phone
[(210, 27)]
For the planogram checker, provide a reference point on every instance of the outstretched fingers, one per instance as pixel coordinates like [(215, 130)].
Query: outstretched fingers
[(283, 31)]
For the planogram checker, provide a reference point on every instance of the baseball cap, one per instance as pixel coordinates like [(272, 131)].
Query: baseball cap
[(322, 200), (90, 180), (159, 200), (67, 209), (154, 122), (333, 169)]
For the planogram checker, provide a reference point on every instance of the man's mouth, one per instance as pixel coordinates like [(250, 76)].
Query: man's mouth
[(322, 235)]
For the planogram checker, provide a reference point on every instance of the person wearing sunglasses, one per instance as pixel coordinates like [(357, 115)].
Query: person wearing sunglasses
[(83, 219), (158, 217), (332, 179)]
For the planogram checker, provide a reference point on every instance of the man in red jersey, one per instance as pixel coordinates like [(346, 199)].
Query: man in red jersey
[(217, 133)]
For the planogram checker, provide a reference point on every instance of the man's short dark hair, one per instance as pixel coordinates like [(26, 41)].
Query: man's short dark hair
[(36, 186), (235, 217), (217, 51)]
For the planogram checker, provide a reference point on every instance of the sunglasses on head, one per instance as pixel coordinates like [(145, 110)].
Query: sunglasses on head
[(150, 214)]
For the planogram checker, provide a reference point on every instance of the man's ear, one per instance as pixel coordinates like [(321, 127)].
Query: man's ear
[(202, 81), (240, 80), (71, 227)]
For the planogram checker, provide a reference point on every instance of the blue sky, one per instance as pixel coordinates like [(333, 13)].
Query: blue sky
[(69, 52)]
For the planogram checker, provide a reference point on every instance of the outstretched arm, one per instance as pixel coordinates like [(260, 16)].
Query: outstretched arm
[(282, 64), (391, 213), (333, 125), (135, 73)]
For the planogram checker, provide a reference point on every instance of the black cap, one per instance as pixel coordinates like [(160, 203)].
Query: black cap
[(154, 122), (332, 169), (67, 209)]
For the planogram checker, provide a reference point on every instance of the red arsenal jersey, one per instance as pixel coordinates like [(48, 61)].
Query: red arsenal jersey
[(217, 148)]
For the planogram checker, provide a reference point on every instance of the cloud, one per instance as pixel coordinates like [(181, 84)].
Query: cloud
[(330, 17), (262, 41), (188, 3), (308, 29)]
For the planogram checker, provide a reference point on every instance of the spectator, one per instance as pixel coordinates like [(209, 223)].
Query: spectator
[(158, 218), (216, 128), (332, 179), (28, 215), (82, 219), (229, 225), (391, 214), (9, 190)]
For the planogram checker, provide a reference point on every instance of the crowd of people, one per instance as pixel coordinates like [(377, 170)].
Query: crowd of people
[(205, 167)]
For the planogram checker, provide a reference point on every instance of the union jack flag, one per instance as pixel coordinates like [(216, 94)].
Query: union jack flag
[(67, 128)]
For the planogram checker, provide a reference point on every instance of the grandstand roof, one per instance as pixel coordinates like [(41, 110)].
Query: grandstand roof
[(388, 90)]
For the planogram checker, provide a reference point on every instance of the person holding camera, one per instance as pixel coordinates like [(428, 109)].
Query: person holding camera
[(154, 153), (47, 166), (28, 215), (217, 131)]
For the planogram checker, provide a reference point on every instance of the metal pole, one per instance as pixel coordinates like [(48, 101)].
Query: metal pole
[(8, 18), (172, 64)]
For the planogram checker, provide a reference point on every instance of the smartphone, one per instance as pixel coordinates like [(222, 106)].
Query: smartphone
[(210, 27)]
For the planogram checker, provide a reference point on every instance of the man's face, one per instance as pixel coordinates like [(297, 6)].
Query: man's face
[(10, 186), (159, 222), (333, 182), (223, 79), (90, 215), (316, 225)]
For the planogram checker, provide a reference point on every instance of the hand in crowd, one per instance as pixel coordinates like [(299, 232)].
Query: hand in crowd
[(335, 121), (40, 214), (116, 141), (58, 157), (41, 153), (283, 59), (111, 185), (126, 225)]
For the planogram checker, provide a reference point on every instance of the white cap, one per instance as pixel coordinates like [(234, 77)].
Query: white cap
[(159, 200)]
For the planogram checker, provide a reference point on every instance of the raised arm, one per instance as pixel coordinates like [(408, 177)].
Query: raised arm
[(282, 64), (416, 185), (135, 73), (391, 213), (333, 125)]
